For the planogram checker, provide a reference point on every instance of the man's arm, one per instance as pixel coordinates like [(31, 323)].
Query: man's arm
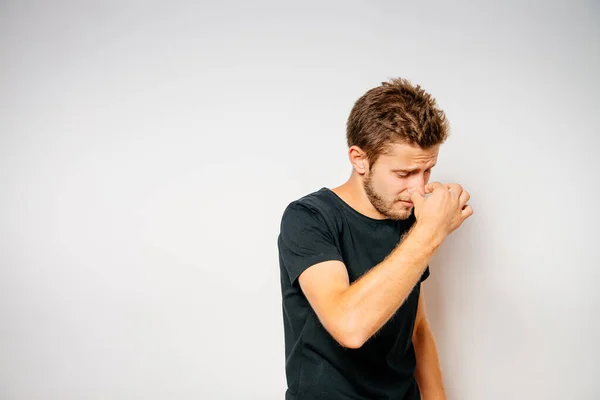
[(428, 373), (353, 313)]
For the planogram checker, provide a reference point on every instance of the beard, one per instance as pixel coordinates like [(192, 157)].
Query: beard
[(383, 206)]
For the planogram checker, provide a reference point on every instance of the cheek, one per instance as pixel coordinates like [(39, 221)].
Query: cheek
[(389, 186), (401, 185), (397, 187), (384, 186)]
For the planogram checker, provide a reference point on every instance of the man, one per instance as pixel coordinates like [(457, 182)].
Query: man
[(352, 258)]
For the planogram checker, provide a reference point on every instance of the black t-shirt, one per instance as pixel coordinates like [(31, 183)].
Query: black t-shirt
[(320, 227)]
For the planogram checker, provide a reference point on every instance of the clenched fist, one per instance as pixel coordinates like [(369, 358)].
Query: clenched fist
[(444, 210)]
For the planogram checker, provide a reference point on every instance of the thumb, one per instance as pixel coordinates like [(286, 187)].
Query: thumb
[(415, 196)]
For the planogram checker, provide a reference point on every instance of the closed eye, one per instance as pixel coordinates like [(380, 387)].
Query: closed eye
[(405, 174)]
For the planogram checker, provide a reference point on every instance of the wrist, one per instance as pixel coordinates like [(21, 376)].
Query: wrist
[(429, 235)]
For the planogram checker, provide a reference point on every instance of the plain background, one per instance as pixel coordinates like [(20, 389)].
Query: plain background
[(148, 149)]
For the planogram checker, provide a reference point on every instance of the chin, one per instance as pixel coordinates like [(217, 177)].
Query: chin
[(400, 214), (403, 211)]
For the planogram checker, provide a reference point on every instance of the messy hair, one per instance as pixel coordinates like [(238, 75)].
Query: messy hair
[(395, 112)]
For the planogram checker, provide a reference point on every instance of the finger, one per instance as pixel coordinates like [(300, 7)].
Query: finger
[(456, 186), (455, 189), (466, 212), (463, 199), (416, 197), (430, 187)]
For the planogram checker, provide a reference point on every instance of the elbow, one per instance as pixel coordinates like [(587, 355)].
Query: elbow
[(349, 335), (351, 342), (421, 335)]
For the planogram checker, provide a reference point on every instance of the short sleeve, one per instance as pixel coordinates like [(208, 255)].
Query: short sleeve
[(304, 240), (425, 274)]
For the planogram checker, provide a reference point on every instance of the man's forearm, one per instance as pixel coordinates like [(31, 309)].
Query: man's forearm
[(371, 301), (428, 373)]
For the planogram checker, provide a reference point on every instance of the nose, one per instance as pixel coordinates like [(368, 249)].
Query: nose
[(418, 181)]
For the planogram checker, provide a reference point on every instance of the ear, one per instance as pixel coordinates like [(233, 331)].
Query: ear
[(358, 159)]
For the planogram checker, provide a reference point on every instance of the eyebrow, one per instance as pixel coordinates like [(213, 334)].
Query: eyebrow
[(410, 170)]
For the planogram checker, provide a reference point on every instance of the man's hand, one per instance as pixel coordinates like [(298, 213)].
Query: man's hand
[(444, 210)]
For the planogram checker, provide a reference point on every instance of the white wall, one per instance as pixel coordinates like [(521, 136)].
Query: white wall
[(147, 151)]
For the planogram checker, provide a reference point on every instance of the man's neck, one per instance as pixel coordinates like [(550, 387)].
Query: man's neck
[(353, 193)]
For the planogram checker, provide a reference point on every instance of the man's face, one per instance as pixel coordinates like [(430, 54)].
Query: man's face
[(403, 167)]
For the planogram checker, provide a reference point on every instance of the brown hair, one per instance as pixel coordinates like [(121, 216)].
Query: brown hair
[(396, 111)]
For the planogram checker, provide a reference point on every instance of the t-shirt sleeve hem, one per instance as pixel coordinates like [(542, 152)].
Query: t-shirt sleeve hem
[(310, 261), (425, 274)]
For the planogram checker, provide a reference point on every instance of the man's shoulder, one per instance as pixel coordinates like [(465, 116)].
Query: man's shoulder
[(320, 200), (320, 205)]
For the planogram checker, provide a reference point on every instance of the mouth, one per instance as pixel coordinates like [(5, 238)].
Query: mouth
[(406, 203)]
